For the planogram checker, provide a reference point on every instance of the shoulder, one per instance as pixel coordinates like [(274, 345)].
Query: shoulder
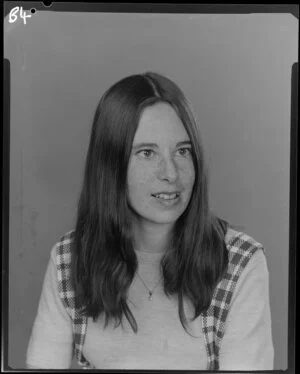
[(245, 256), (241, 248), (63, 245), (61, 251), (61, 256), (240, 242), (66, 239)]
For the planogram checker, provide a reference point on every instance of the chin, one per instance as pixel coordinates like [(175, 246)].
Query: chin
[(157, 216), (163, 218)]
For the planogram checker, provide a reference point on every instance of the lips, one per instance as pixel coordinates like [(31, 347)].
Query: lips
[(166, 195)]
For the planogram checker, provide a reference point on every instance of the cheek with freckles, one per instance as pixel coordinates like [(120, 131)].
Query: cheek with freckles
[(187, 179), (140, 186)]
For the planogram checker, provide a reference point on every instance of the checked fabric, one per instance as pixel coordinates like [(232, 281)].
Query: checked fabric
[(240, 246)]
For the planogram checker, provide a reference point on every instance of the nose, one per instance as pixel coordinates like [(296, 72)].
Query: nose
[(168, 170)]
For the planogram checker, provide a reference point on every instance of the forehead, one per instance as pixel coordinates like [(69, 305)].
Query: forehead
[(158, 122)]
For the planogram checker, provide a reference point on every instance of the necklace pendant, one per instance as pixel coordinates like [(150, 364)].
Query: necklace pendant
[(150, 295)]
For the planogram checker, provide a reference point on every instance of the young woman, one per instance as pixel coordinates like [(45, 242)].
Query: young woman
[(150, 278)]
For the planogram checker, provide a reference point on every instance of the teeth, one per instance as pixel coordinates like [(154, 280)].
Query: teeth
[(165, 196)]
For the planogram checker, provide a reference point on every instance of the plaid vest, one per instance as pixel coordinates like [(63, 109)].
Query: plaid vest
[(240, 247)]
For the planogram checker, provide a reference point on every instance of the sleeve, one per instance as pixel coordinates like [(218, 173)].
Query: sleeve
[(51, 342), (247, 343)]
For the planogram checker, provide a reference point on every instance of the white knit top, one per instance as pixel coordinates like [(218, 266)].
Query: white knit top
[(161, 342)]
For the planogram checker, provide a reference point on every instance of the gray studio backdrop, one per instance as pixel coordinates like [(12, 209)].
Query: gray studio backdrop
[(236, 72)]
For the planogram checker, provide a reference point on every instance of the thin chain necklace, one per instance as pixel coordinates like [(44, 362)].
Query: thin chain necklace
[(150, 292)]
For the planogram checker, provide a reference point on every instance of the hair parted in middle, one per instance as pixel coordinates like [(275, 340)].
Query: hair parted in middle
[(104, 262)]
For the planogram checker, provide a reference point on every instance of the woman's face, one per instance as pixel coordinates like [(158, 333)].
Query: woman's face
[(161, 173)]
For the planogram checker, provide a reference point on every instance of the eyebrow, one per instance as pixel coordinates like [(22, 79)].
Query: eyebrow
[(154, 145)]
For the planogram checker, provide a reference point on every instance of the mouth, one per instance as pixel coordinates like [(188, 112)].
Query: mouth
[(166, 195)]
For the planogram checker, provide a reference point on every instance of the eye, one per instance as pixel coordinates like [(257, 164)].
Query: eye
[(184, 151), (146, 153)]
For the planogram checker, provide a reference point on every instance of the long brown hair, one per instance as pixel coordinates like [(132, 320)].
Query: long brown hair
[(104, 262)]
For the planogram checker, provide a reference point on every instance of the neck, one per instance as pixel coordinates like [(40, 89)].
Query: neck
[(151, 237)]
